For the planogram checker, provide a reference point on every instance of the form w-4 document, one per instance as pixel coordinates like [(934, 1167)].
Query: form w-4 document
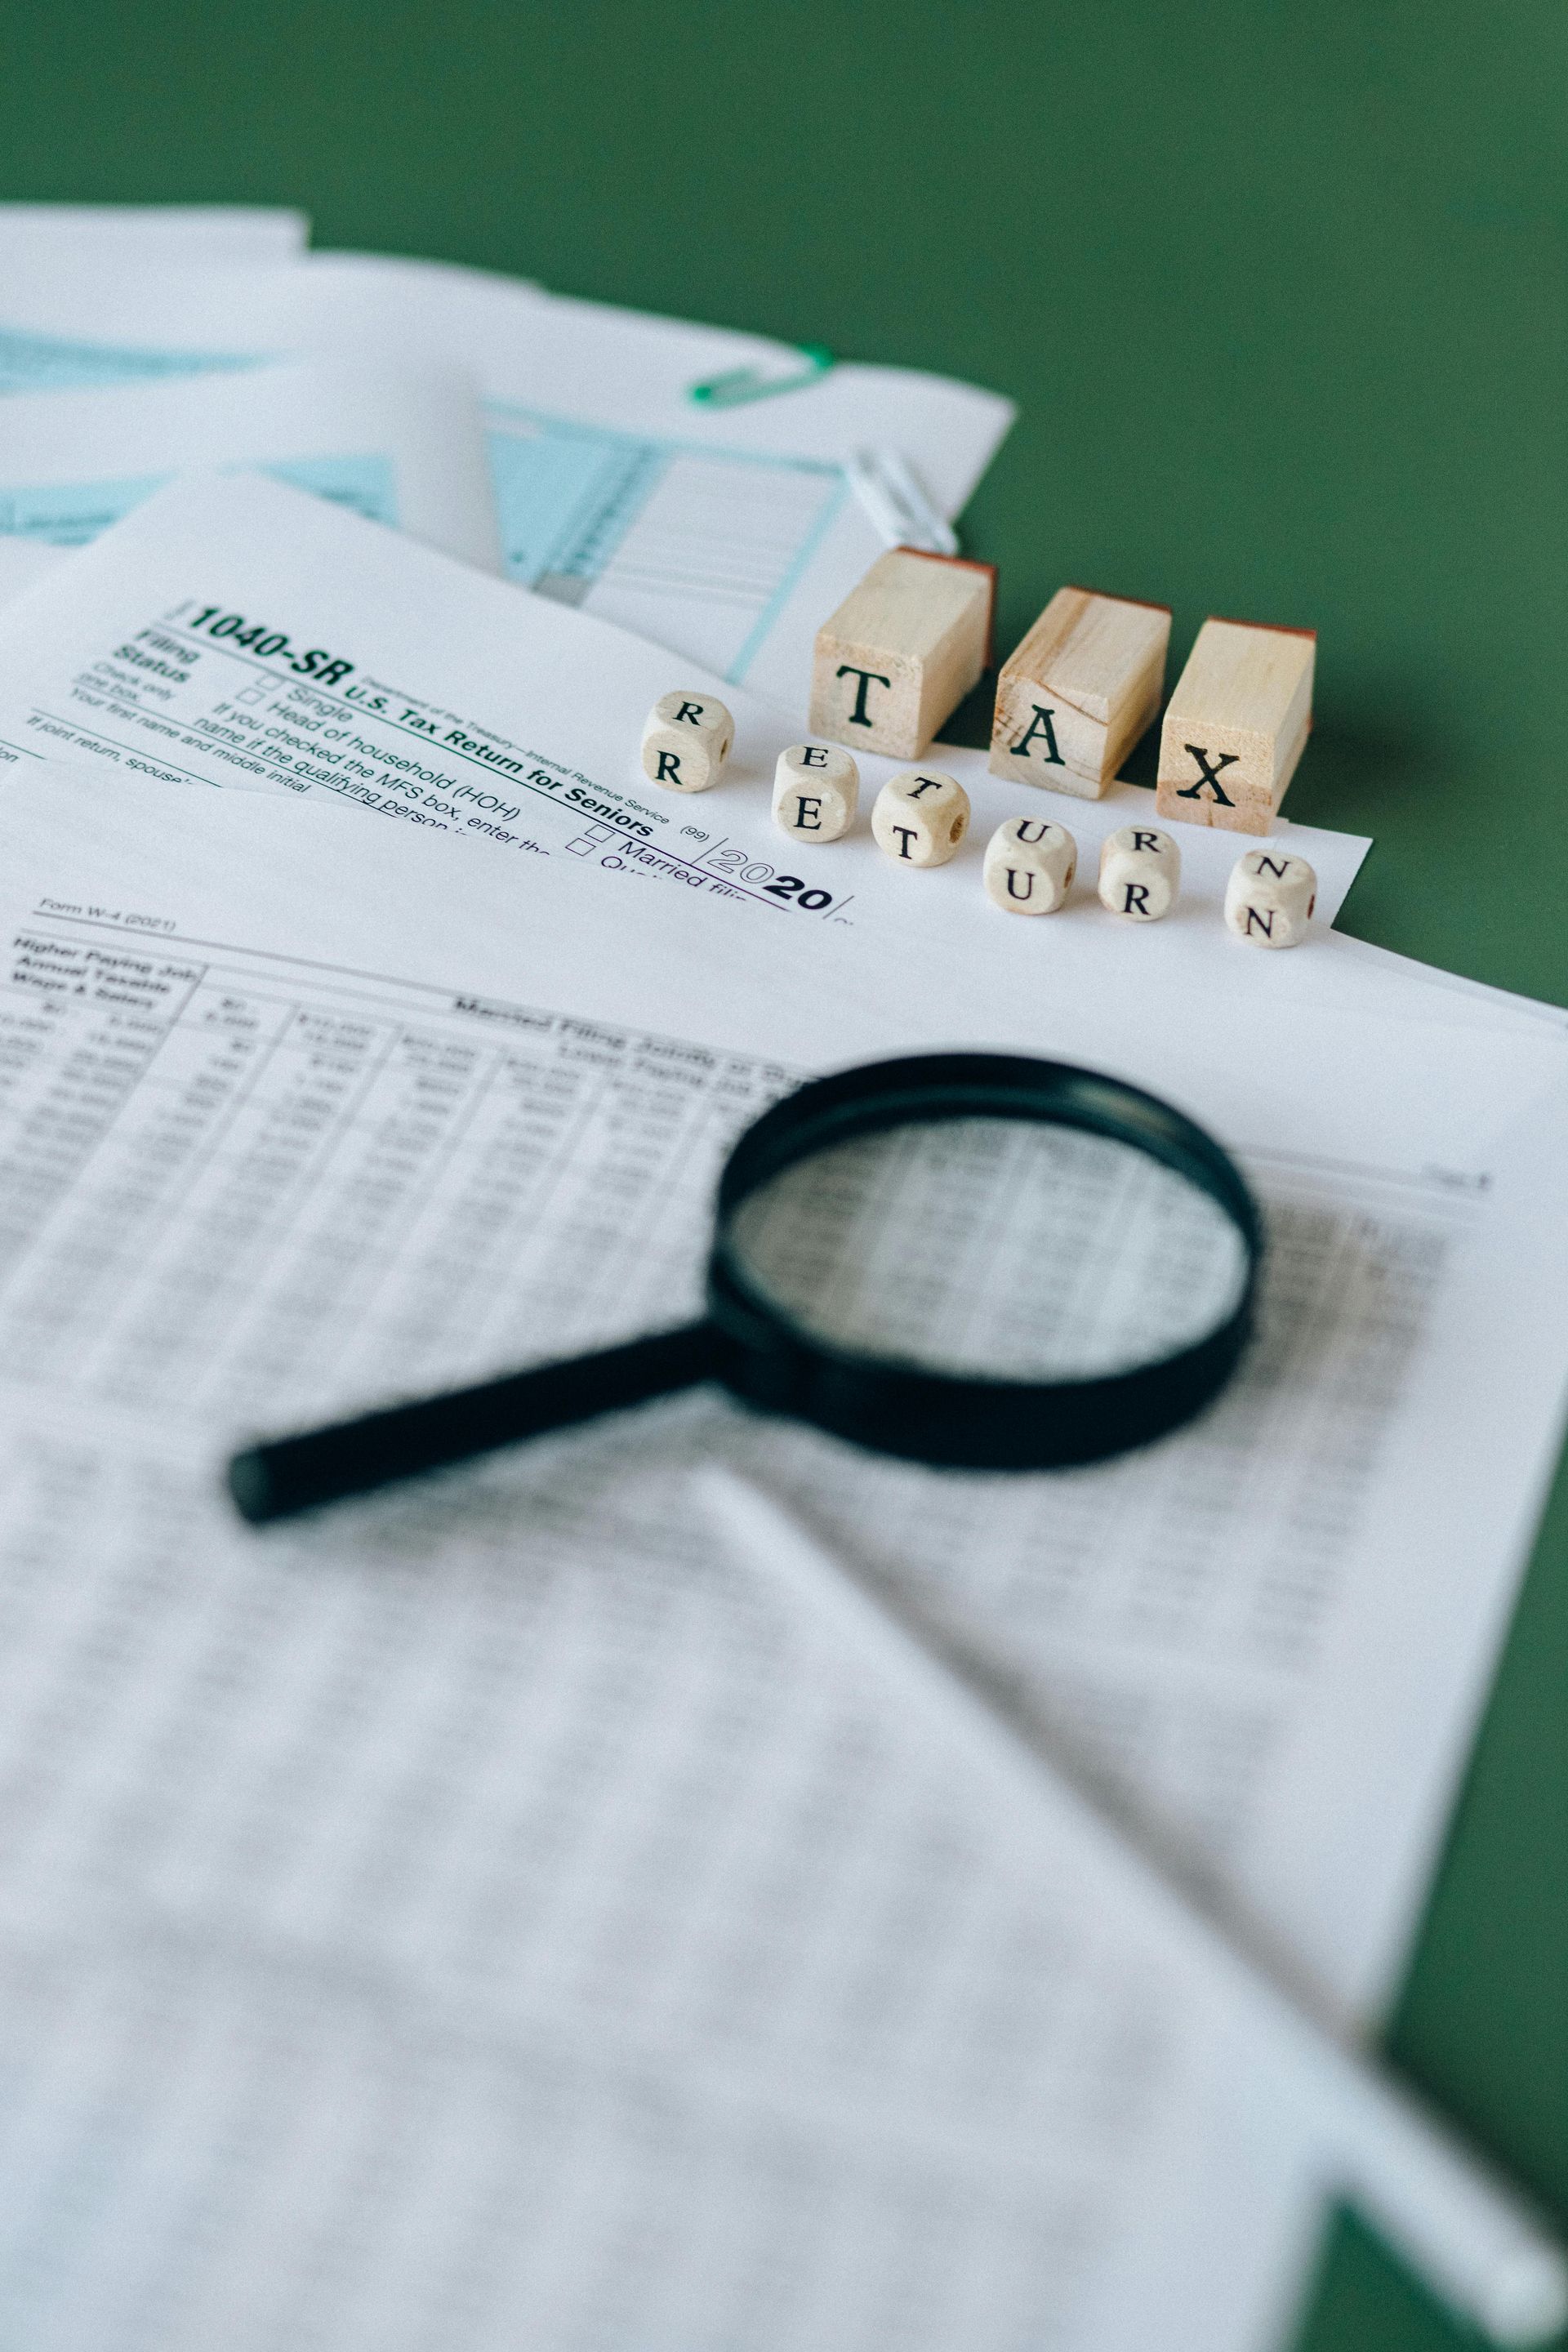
[(726, 533), (506, 1912)]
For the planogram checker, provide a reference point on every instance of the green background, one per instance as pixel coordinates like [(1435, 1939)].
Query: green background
[(1279, 290)]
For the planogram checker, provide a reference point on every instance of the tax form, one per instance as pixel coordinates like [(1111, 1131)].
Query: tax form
[(236, 633), (143, 234), (402, 446), (503, 1913), (25, 561), (724, 533)]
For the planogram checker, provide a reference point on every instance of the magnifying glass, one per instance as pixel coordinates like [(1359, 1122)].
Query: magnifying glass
[(978, 1260)]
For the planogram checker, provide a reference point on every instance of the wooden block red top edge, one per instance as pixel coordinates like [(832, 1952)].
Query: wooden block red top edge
[(1112, 596), (1280, 628), (966, 564)]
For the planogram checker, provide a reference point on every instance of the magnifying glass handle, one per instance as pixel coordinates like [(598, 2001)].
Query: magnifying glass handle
[(285, 1475)]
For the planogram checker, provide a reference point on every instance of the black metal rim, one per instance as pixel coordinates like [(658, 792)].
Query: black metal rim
[(963, 1421)]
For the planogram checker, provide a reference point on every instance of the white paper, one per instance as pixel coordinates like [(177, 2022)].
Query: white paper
[(1460, 998), (724, 534), (1364, 1275), (25, 561), (433, 697), (402, 446), (143, 234), (496, 1913)]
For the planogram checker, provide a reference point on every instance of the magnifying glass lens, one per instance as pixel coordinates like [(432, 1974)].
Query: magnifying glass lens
[(983, 1248)]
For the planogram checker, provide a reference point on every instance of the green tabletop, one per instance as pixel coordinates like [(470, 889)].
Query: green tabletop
[(1280, 292)]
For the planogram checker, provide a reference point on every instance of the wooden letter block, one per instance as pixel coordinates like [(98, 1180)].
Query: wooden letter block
[(1029, 865), (686, 741), (920, 819), (1270, 900), (1140, 873), (1236, 725), (902, 651), (1079, 692), (816, 789)]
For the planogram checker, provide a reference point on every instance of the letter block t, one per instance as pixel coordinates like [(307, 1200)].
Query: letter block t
[(920, 818), (901, 652), (1236, 725), (1075, 697)]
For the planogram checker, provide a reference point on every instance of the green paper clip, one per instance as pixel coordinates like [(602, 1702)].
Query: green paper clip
[(741, 385)]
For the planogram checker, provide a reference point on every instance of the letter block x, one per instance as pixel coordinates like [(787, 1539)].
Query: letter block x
[(1236, 725)]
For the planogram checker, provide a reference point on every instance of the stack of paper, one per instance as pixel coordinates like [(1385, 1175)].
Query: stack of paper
[(566, 1903), (723, 532)]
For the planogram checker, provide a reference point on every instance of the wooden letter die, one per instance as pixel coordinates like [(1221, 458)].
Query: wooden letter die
[(1076, 696), (901, 652), (1236, 726)]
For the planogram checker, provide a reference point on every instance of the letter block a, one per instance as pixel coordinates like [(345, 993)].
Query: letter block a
[(1076, 693), (901, 652)]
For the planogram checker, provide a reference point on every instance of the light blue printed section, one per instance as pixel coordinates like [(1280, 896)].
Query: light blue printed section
[(565, 497), (30, 363), (69, 514), (806, 549), (641, 518), (367, 483)]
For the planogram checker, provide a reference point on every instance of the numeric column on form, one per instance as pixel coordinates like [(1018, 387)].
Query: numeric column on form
[(576, 1276), (462, 1274), (621, 1246), (305, 1069), (320, 1329), (66, 1069), (721, 1093), (111, 1229)]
